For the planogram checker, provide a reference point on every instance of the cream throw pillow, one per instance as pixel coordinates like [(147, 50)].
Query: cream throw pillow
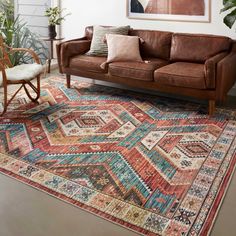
[(122, 48)]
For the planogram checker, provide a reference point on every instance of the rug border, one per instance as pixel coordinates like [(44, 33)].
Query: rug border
[(65, 199), (225, 184), (206, 230)]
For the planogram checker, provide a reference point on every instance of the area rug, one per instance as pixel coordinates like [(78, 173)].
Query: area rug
[(155, 165)]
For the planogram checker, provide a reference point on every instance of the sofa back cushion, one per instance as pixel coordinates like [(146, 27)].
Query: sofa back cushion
[(156, 43), (89, 31), (197, 47)]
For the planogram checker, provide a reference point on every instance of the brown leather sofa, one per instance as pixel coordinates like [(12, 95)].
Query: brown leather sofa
[(197, 65)]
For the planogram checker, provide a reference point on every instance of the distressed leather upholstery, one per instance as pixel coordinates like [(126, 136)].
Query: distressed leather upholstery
[(197, 65), (211, 69), (183, 74), (156, 43), (197, 48), (88, 63), (70, 49), (226, 74), (137, 70)]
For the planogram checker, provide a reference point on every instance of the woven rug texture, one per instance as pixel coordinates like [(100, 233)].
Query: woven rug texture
[(155, 165)]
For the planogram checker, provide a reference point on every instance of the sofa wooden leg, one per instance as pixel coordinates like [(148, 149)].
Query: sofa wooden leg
[(211, 107), (68, 78)]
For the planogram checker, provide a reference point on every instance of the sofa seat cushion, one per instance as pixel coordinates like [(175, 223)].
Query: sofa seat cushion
[(183, 74), (88, 63), (137, 70)]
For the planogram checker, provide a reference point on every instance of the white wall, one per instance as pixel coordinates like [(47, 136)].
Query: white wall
[(113, 12)]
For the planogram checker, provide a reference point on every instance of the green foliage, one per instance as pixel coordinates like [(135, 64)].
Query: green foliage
[(17, 35), (7, 20), (230, 7), (54, 15)]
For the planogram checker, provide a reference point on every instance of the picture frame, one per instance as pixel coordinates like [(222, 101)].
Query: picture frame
[(170, 10)]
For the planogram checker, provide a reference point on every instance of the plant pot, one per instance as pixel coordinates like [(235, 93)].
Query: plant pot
[(52, 31)]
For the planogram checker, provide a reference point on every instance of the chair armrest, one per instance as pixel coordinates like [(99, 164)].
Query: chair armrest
[(30, 51), (210, 69), (4, 76), (226, 75), (70, 48)]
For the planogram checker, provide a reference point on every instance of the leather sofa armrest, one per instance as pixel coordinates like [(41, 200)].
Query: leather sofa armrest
[(226, 75), (70, 48), (210, 69)]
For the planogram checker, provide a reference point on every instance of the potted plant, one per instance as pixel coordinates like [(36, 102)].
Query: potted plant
[(16, 34), (55, 17), (230, 7)]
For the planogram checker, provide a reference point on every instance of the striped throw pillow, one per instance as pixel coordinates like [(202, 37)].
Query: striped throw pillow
[(98, 45)]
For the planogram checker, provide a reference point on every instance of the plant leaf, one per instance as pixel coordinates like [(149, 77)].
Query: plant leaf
[(228, 5), (230, 19)]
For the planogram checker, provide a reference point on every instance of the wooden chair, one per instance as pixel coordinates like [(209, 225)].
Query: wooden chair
[(21, 74)]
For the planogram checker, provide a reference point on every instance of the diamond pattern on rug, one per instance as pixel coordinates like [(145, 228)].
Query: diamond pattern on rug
[(150, 162)]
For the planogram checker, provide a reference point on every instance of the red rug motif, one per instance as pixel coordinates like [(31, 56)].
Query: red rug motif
[(154, 165)]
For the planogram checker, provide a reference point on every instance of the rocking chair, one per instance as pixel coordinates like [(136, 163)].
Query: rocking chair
[(21, 74)]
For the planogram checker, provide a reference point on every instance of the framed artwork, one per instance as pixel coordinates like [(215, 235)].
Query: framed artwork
[(172, 10)]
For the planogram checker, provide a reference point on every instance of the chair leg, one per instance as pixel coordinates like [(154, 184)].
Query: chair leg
[(45, 69), (68, 81), (5, 103), (36, 90), (211, 107)]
